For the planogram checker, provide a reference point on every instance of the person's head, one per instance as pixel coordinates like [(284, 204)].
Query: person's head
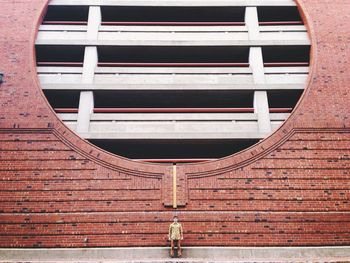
[(175, 219)]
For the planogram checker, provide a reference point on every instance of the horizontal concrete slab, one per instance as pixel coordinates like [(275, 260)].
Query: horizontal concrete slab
[(177, 2), (172, 39), (126, 135), (172, 116), (173, 70), (193, 254), (79, 86)]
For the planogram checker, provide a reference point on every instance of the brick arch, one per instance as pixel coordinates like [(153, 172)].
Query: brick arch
[(100, 156), (247, 156)]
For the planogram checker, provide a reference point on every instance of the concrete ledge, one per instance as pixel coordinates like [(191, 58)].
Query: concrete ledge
[(193, 254), (177, 2)]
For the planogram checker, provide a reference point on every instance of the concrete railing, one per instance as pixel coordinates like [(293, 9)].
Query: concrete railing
[(286, 73), (48, 27), (64, 75), (120, 28), (170, 129), (109, 27), (173, 123), (242, 70), (175, 23), (264, 28), (135, 77), (175, 36)]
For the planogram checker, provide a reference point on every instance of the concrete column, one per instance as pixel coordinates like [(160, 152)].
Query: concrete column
[(252, 22), (86, 102), (86, 107), (261, 104), (90, 63), (256, 64), (261, 108), (94, 22)]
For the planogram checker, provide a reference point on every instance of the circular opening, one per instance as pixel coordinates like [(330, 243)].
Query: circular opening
[(170, 84)]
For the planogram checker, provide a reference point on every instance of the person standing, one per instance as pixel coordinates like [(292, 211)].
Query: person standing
[(175, 235)]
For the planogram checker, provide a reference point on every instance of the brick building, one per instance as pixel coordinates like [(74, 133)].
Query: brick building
[(70, 101)]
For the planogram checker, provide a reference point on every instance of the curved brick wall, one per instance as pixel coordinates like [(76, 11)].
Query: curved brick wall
[(292, 189)]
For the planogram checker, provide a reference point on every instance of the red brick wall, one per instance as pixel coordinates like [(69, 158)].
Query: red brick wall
[(293, 188)]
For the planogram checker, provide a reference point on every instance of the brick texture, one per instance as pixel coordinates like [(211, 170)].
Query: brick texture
[(291, 189)]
